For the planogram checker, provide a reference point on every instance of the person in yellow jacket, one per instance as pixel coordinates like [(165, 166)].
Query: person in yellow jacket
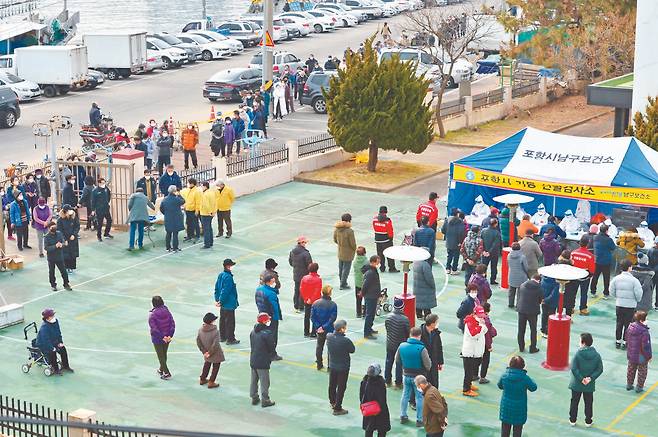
[(207, 212), (630, 240), (189, 139), (192, 195), (225, 198)]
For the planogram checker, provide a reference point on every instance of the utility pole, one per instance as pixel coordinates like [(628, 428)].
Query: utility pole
[(204, 14), (268, 16)]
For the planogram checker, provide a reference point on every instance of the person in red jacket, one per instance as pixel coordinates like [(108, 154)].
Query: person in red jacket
[(583, 258), (428, 209), (310, 290), (383, 227)]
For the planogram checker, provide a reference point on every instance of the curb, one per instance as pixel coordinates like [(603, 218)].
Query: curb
[(372, 189), (582, 121)]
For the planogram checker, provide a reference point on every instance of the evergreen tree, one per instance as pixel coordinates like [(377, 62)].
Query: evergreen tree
[(646, 126), (374, 106)]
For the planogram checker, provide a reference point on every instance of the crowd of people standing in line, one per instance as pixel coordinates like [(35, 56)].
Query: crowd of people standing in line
[(416, 353)]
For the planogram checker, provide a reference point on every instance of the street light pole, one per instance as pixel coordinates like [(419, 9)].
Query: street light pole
[(204, 13), (268, 61)]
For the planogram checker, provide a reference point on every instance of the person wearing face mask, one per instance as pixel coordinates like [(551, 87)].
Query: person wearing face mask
[(85, 201), (165, 149), (217, 144), (467, 305), (20, 214), (49, 341), (190, 139), (43, 184), (100, 207), (207, 210), (170, 207), (5, 213), (147, 184), (41, 216), (69, 196), (138, 217), (267, 301), (30, 188), (262, 345), (192, 195), (54, 243), (169, 178), (69, 225)]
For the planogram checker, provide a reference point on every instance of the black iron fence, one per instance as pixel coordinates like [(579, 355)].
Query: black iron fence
[(488, 98), (237, 165), (316, 144), (525, 87), (449, 109), (201, 174), (28, 419)]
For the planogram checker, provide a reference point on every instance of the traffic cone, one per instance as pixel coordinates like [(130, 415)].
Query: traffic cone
[(212, 114)]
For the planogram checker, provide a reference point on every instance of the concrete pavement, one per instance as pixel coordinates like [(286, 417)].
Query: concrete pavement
[(162, 94)]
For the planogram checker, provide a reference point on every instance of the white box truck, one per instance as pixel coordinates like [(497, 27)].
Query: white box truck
[(55, 68), (117, 54)]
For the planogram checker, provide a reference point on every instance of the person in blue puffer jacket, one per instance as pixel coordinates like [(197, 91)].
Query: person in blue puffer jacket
[(324, 312), (425, 236), (267, 301), (50, 343), (226, 298)]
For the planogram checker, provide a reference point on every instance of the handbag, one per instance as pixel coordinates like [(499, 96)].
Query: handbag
[(370, 408)]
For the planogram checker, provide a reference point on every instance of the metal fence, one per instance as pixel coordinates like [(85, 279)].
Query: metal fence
[(525, 87), (237, 165), (201, 174), (449, 109), (10, 407), (488, 98), (316, 144)]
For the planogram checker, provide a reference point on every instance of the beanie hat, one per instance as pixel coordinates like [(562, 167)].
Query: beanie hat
[(383, 210), (209, 318), (374, 369), (398, 303), (47, 313), (642, 259), (263, 318)]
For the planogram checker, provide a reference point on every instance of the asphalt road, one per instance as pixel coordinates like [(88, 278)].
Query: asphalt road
[(175, 93)]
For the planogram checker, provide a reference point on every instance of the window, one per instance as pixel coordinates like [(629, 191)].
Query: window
[(2, 83), (425, 58), (224, 26), (235, 27), (150, 46), (321, 80), (192, 26), (290, 58), (5, 63)]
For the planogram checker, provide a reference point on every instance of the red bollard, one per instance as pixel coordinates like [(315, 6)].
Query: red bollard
[(504, 283), (409, 307)]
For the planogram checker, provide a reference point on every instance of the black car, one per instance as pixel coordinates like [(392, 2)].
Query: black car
[(312, 94), (10, 111), (227, 84)]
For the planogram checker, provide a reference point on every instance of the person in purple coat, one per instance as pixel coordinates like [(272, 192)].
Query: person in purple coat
[(162, 326), (41, 217), (229, 135), (479, 279), (638, 351), (550, 248)]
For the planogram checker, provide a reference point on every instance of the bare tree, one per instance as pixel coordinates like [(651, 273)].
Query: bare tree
[(447, 34)]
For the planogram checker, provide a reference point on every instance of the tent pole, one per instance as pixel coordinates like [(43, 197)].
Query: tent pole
[(553, 206)]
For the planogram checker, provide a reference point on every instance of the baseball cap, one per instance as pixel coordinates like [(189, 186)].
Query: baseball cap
[(228, 262), (209, 318), (479, 311)]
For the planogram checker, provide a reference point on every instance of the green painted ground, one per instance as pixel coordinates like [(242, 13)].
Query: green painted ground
[(105, 328)]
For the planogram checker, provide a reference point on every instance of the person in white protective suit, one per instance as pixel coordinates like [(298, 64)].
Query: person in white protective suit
[(646, 234), (480, 209), (570, 224), (540, 218), (612, 229), (583, 211)]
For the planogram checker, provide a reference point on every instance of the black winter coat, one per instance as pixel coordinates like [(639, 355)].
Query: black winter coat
[(43, 187), (453, 232), (373, 388), (142, 184), (435, 348), (69, 227), (299, 259), (397, 330), (54, 253), (339, 347), (85, 199), (261, 342), (100, 200), (69, 197), (371, 288), (530, 296)]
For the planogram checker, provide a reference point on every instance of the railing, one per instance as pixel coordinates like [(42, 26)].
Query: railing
[(28, 419), (488, 98), (241, 164), (523, 88), (316, 144), (201, 174), (449, 109)]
